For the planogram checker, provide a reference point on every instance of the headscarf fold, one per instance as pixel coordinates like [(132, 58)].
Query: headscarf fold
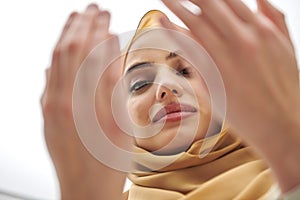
[(230, 171)]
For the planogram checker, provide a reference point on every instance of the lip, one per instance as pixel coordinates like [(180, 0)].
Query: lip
[(174, 112)]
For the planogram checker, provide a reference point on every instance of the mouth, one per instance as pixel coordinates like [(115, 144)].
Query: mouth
[(174, 112)]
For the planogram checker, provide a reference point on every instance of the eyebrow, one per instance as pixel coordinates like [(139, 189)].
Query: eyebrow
[(139, 65), (171, 55), (148, 64)]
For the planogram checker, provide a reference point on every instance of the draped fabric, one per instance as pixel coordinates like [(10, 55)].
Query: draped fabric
[(230, 171)]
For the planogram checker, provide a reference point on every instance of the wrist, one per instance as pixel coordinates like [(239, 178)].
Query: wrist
[(282, 152), (103, 183)]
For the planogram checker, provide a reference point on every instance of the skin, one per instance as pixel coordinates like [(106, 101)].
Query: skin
[(80, 175), (271, 111), (150, 95), (241, 41)]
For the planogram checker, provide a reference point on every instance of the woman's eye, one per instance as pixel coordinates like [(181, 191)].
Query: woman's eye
[(184, 72), (138, 86)]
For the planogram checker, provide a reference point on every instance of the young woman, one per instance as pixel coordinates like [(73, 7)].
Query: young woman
[(167, 96)]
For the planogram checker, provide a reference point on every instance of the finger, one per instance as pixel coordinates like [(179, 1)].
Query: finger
[(67, 26), (100, 29), (107, 52), (74, 47), (79, 33), (198, 25), (178, 9), (171, 26), (100, 46), (241, 10), (276, 16), (44, 94), (166, 23), (221, 16), (53, 78), (65, 56), (114, 59)]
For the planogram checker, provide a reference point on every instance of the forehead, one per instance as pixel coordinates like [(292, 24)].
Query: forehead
[(143, 56), (153, 46), (147, 54)]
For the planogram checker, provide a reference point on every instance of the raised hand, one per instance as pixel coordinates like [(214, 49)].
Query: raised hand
[(256, 58), (81, 176)]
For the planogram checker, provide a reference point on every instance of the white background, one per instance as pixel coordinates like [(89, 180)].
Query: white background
[(29, 30)]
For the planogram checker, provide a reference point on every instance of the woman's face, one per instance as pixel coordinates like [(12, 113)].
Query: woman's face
[(168, 96)]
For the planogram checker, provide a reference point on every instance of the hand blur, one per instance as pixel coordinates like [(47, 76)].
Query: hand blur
[(256, 59), (81, 176)]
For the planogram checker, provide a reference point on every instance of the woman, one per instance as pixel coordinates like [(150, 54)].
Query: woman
[(237, 34)]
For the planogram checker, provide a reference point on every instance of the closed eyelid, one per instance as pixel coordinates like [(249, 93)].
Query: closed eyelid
[(138, 85)]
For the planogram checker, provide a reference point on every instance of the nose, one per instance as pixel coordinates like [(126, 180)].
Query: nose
[(165, 91)]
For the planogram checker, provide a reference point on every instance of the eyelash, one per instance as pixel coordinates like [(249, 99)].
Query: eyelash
[(142, 84), (138, 86), (184, 72)]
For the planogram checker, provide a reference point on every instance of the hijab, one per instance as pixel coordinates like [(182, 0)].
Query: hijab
[(231, 170)]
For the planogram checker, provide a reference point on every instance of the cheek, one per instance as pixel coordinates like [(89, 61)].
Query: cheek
[(202, 94), (139, 107)]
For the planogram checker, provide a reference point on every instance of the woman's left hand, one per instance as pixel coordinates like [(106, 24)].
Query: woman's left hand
[(257, 61)]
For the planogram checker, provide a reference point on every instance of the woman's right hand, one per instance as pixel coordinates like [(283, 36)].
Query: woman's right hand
[(81, 176), (256, 58)]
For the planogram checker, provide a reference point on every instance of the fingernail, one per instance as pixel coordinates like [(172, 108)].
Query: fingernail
[(104, 15), (191, 7), (93, 6), (103, 19), (73, 14)]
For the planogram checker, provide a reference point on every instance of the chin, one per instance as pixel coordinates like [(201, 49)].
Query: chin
[(169, 141), (175, 137)]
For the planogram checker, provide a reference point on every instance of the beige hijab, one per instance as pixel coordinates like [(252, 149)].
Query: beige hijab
[(230, 171)]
